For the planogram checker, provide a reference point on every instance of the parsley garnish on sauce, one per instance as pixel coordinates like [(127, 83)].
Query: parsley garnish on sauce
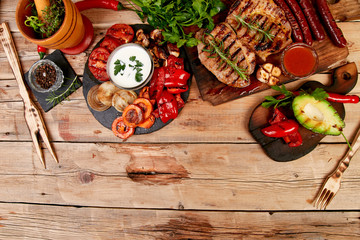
[(136, 66), (119, 67)]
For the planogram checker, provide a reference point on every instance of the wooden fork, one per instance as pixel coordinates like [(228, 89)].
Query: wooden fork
[(332, 184)]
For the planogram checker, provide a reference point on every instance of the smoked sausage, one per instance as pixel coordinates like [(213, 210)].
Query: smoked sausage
[(294, 6), (312, 19), (296, 31), (330, 25)]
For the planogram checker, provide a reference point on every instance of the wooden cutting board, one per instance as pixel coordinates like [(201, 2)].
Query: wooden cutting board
[(330, 57), (276, 148)]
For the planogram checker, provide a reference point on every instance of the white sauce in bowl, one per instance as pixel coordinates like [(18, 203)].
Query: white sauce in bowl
[(130, 66)]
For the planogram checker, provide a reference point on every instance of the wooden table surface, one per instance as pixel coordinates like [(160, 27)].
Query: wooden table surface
[(201, 177)]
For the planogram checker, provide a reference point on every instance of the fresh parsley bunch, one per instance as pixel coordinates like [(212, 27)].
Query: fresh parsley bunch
[(288, 96), (173, 16)]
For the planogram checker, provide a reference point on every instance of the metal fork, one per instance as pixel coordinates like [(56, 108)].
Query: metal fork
[(332, 183)]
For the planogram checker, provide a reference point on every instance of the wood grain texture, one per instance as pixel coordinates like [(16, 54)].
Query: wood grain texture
[(61, 222), (201, 177), (169, 175)]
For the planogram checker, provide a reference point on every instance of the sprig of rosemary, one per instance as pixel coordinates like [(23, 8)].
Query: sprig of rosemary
[(253, 25), (217, 47), (54, 99)]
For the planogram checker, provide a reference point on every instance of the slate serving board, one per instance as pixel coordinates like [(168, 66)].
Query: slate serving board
[(107, 117), (276, 148), (69, 75)]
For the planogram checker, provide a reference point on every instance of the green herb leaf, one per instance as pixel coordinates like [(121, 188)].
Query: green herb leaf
[(319, 94), (132, 58), (119, 67)]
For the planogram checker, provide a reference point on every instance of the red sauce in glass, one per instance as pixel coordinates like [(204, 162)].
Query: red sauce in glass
[(299, 61)]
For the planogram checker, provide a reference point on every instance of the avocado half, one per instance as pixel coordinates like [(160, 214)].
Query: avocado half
[(317, 116)]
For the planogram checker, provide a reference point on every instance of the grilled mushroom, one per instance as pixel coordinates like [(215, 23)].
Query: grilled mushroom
[(157, 36), (173, 49), (142, 38)]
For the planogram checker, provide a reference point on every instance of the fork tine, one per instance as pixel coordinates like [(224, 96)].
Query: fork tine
[(324, 200), (320, 197), (328, 200)]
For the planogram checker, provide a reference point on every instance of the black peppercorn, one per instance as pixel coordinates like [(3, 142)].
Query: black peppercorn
[(45, 76)]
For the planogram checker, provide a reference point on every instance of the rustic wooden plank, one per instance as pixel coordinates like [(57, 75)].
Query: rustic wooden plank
[(172, 176), (198, 122), (57, 222)]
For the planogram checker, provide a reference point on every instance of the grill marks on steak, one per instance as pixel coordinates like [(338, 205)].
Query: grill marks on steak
[(268, 17), (236, 52)]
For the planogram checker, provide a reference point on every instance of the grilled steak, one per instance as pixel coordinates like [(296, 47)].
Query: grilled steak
[(264, 15), (231, 46)]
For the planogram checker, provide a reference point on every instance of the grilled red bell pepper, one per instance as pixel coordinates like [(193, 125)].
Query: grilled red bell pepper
[(157, 83), (175, 77), (281, 129), (175, 62), (277, 116), (284, 128), (168, 106), (176, 90), (179, 100)]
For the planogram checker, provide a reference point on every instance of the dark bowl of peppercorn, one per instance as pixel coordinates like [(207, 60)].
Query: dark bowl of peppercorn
[(45, 76)]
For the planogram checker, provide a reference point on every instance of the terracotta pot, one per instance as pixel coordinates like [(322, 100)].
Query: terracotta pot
[(69, 35)]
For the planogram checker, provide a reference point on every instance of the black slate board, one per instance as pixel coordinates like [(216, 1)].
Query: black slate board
[(107, 117), (276, 148), (69, 75)]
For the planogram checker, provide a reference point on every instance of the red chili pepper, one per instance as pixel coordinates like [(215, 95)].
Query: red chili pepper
[(107, 4), (41, 51), (281, 129), (157, 83), (168, 106), (334, 97), (175, 77), (175, 62)]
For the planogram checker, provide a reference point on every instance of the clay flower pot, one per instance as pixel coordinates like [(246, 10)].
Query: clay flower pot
[(69, 35)]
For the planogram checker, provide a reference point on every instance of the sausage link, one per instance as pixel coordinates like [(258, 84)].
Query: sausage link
[(330, 25), (296, 31), (294, 6), (312, 19)]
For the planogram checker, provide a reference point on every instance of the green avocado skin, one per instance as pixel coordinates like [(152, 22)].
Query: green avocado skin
[(330, 123)]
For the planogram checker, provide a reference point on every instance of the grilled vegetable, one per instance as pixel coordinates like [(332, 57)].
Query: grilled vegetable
[(121, 130), (268, 73), (317, 115)]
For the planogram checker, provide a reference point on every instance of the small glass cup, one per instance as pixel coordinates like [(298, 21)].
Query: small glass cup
[(125, 78), (299, 60), (32, 80)]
